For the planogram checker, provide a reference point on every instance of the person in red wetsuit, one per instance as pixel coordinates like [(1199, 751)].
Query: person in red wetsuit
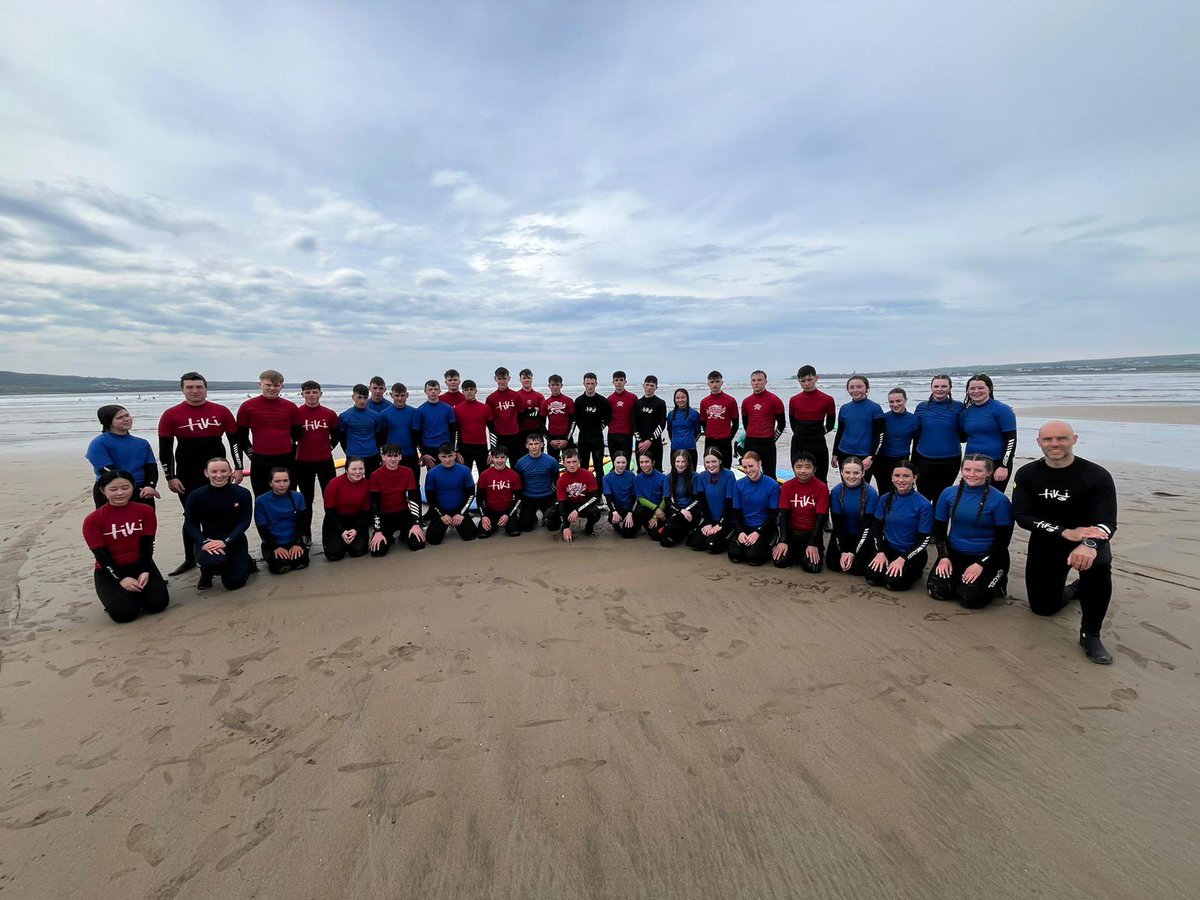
[(395, 504), (473, 419), (506, 411), (530, 410), (578, 497), (347, 513), (763, 415), (803, 511), (559, 412), (120, 535), (719, 419), (812, 414), (265, 431), (621, 404), (315, 431), (452, 394), (498, 495), (189, 435)]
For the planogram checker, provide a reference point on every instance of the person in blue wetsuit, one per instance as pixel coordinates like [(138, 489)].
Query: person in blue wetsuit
[(359, 427), (972, 526), (378, 402), (539, 474), (714, 486), (434, 424), (852, 512), (900, 432), (397, 425), (859, 426), (449, 489), (755, 501), (939, 447), (683, 500), (277, 515), (619, 495), (651, 489), (901, 533), (114, 449), (989, 427), (684, 426)]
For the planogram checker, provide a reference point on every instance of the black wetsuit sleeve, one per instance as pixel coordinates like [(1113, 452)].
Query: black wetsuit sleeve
[(780, 425), (297, 433), (268, 540), (150, 474), (243, 439), (923, 539), (875, 530), (661, 417), (1104, 501), (454, 435), (837, 439), (480, 497), (146, 553), (793, 422), (166, 455), (830, 419), (1010, 450), (784, 518), (518, 498), (734, 424), (839, 524), (878, 433), (414, 506), (591, 498), (235, 452), (1000, 540), (1023, 507), (735, 520), (191, 519), (941, 533), (432, 499), (818, 530), (107, 564)]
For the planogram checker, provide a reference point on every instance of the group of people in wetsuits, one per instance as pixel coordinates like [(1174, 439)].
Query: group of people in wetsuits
[(543, 455)]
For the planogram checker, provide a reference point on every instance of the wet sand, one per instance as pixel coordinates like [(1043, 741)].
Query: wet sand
[(518, 718), (1164, 414)]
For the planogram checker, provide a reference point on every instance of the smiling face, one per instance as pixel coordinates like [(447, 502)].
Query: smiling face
[(1057, 442), (218, 472), (270, 389), (195, 392), (940, 388), (646, 464), (501, 382), (122, 422), (852, 475), (681, 399), (119, 491), (804, 470), (620, 464), (752, 468), (975, 472), (682, 463), (526, 382), (356, 471), (712, 465), (978, 391), (903, 479), (856, 388), (896, 402), (391, 461)]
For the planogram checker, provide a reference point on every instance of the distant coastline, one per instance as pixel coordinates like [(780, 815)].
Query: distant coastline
[(17, 383)]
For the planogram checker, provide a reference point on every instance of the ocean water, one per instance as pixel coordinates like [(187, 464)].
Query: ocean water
[(57, 423)]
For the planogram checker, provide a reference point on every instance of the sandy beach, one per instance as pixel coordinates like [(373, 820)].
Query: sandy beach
[(1162, 414), (517, 718)]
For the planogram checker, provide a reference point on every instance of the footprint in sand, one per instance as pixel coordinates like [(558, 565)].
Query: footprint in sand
[(578, 763), (148, 843), (683, 630), (1124, 694), (406, 653), (445, 742), (736, 648), (729, 757), (262, 830)]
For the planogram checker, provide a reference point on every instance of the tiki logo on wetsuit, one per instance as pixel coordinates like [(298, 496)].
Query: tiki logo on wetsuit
[(503, 405), (129, 529), (803, 501), (718, 412), (505, 485), (1055, 494), (758, 407), (556, 408), (575, 490), (202, 424), (316, 425)]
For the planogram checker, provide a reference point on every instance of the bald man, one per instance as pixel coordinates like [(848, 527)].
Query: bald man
[(1069, 507)]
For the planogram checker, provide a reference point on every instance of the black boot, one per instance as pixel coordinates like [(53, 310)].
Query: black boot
[(189, 557), (205, 582), (1095, 650)]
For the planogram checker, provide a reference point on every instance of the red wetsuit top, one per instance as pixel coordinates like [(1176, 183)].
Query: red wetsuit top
[(348, 499), (804, 502), (453, 397), (317, 424), (558, 411), (473, 418), (208, 420), (622, 406), (120, 529), (498, 486), (574, 487), (505, 407), (531, 410), (718, 412), (811, 406), (759, 412), (269, 422), (392, 486)]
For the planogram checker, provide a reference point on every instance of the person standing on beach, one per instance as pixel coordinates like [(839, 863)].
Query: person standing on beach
[(684, 426), (859, 428), (763, 413), (377, 389), (592, 415), (114, 449), (719, 419), (452, 394), (939, 446), (397, 425), (120, 535), (189, 435), (360, 430), (558, 411), (989, 427), (1069, 507), (434, 424), (900, 432), (315, 431), (473, 418), (650, 421), (529, 407), (265, 431), (620, 427), (506, 406), (812, 414)]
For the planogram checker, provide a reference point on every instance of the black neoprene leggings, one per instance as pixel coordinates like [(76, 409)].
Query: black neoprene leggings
[(1046, 572)]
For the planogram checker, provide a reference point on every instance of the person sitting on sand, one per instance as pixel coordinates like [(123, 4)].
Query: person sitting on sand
[(620, 496), (714, 486), (1069, 507), (650, 490), (278, 515), (578, 496), (972, 526), (216, 518), (683, 498), (852, 512), (449, 489), (120, 535), (498, 494), (346, 528), (395, 504), (803, 511), (901, 532), (755, 500)]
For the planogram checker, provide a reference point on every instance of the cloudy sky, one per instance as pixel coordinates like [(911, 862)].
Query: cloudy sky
[(339, 190)]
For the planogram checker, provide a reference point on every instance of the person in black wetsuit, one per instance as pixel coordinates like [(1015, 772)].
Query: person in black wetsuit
[(1069, 507), (592, 415), (216, 519), (650, 422), (189, 435)]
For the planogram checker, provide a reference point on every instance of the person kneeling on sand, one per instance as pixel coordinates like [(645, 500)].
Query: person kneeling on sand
[(216, 519), (972, 526), (578, 496), (279, 515)]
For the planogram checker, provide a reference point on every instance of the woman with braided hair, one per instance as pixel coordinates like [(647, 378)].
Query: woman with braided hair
[(901, 532), (972, 525)]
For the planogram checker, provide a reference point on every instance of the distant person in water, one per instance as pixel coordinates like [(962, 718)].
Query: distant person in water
[(1069, 507), (120, 535), (116, 450)]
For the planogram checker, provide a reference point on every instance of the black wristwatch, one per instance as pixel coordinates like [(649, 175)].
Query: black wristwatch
[(1088, 542)]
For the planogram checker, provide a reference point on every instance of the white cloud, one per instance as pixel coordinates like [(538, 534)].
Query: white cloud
[(432, 277)]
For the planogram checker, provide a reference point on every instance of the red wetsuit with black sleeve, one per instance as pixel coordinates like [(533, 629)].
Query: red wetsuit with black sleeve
[(198, 430), (473, 419), (499, 491), (266, 425), (622, 406), (316, 431), (719, 415), (394, 488), (531, 411), (763, 415), (117, 536), (506, 408), (560, 415), (576, 491), (347, 502), (804, 502)]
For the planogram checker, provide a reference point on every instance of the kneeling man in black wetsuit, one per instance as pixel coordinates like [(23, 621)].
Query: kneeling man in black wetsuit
[(1069, 507)]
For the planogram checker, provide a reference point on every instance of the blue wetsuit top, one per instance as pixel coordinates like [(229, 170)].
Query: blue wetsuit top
[(449, 489), (540, 475), (758, 500), (653, 487), (910, 515), (434, 421), (122, 452), (359, 429), (847, 503), (972, 529), (683, 427), (858, 420), (718, 492), (938, 437), (898, 433), (619, 491), (278, 514), (984, 426), (397, 424)]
